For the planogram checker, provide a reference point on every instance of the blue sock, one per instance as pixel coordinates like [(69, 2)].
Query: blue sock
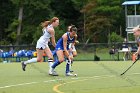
[(67, 68), (56, 63)]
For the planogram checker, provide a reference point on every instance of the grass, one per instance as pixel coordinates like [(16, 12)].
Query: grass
[(93, 77)]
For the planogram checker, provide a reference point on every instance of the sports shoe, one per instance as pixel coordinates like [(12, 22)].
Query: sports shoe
[(23, 66), (71, 71), (52, 72), (69, 74)]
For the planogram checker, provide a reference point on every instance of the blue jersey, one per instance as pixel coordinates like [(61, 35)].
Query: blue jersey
[(59, 45)]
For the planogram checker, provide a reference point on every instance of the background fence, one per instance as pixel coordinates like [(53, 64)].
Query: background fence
[(88, 52)]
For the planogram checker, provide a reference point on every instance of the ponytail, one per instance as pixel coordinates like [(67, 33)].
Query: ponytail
[(45, 23)]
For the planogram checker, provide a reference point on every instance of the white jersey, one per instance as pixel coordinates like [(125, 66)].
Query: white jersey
[(73, 47), (46, 35), (44, 39)]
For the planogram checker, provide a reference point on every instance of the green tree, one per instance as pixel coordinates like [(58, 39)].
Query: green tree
[(115, 38), (95, 19), (102, 16), (20, 4), (30, 15), (66, 10), (6, 15)]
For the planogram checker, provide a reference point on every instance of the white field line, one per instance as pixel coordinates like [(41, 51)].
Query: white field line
[(55, 80), (18, 85)]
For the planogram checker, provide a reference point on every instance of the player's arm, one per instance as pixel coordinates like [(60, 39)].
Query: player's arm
[(76, 41), (73, 44), (138, 50), (65, 38), (52, 32)]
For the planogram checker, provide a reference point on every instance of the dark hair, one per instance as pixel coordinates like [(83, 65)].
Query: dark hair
[(73, 28)]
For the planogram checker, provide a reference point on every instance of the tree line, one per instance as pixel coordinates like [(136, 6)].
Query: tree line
[(97, 20)]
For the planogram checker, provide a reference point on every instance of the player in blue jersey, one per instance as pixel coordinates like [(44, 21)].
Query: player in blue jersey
[(42, 43), (72, 50), (62, 48)]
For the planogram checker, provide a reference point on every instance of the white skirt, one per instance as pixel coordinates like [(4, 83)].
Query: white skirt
[(42, 45)]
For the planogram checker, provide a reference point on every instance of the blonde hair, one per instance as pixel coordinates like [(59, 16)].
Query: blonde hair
[(53, 19), (46, 23)]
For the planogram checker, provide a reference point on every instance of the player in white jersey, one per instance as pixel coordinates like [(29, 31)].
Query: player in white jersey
[(136, 32), (42, 43)]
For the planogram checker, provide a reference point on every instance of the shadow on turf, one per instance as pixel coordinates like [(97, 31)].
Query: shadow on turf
[(130, 81)]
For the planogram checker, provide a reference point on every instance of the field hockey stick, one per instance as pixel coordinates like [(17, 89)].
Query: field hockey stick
[(130, 66)]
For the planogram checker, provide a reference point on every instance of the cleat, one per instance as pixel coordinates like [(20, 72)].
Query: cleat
[(52, 72), (71, 71), (23, 66), (69, 74)]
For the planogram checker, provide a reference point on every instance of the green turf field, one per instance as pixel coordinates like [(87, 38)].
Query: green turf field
[(93, 77)]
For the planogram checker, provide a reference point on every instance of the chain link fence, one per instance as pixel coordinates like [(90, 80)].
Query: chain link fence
[(86, 52)]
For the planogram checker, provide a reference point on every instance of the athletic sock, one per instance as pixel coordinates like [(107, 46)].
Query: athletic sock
[(56, 63), (67, 67), (50, 60), (33, 60)]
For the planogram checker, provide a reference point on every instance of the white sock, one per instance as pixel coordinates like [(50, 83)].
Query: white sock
[(50, 64), (33, 60), (50, 60)]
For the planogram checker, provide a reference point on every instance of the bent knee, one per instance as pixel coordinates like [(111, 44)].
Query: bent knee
[(74, 55), (61, 60)]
